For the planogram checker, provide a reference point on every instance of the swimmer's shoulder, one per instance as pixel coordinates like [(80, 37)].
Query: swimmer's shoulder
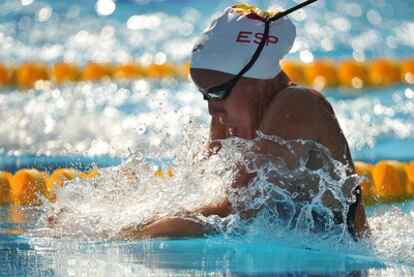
[(296, 112), (293, 95)]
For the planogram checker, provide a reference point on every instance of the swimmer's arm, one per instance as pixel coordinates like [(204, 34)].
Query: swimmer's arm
[(304, 114), (221, 208), (292, 115), (337, 143), (184, 225), (170, 227), (286, 120)]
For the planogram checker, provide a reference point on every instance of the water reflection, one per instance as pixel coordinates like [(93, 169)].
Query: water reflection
[(36, 255), (214, 256)]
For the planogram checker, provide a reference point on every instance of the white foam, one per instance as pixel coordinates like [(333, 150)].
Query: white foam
[(130, 195), (392, 235)]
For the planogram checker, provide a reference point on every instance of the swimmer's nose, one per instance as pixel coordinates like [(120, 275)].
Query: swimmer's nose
[(216, 108)]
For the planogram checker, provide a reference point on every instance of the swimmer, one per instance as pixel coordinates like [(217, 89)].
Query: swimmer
[(235, 65)]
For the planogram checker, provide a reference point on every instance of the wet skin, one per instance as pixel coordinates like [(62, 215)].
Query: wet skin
[(273, 107)]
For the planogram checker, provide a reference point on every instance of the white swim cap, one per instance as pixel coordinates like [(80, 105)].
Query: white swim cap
[(230, 41)]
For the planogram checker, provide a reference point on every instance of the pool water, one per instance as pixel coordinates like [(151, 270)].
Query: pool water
[(24, 255), (41, 128)]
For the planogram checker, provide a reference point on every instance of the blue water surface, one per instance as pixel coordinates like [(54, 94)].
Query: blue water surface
[(36, 256)]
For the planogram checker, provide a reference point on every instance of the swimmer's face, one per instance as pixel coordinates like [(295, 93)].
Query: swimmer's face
[(238, 111)]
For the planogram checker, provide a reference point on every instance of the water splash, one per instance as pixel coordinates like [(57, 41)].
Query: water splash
[(392, 235), (129, 194), (293, 213)]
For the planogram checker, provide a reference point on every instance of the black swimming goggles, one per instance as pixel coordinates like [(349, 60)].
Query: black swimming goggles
[(221, 92)]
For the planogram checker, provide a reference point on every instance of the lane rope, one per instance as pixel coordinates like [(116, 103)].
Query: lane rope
[(387, 181), (321, 73)]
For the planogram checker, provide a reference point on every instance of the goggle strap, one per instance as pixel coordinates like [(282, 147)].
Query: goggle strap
[(257, 52), (266, 35), (259, 49), (288, 11)]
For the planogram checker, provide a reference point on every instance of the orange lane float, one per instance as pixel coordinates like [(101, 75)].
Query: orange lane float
[(166, 70), (28, 74), (389, 181), (161, 173), (353, 74), (183, 70), (384, 72), (7, 75), (5, 188), (65, 72), (57, 178), (90, 174), (320, 73), (385, 182), (60, 175), (27, 185), (170, 172), (368, 187), (409, 168), (96, 71), (407, 70), (294, 70), (128, 71)]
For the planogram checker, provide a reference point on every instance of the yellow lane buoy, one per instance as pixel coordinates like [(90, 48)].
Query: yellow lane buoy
[(352, 74), (159, 173), (321, 73), (65, 72), (5, 188), (183, 70), (28, 74), (383, 72), (170, 172), (60, 175), (128, 71), (294, 70), (96, 71), (390, 179), (161, 70), (407, 70), (387, 181), (369, 191), (409, 169), (57, 178), (7, 76), (27, 185), (90, 174)]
